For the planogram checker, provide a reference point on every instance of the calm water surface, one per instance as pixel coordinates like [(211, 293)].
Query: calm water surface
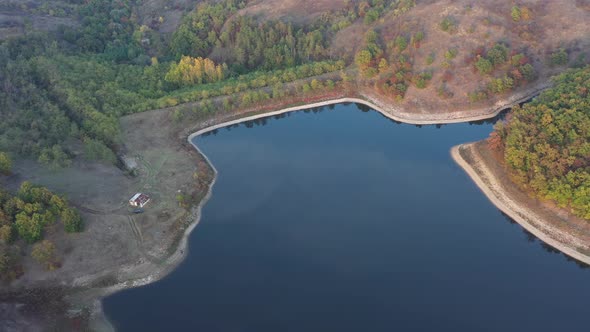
[(342, 220)]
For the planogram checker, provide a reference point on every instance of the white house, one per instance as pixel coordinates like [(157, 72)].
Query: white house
[(139, 200)]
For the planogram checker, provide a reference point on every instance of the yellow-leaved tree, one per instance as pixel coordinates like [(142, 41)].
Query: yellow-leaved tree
[(191, 71)]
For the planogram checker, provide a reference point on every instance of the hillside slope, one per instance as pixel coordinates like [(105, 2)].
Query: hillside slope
[(474, 30)]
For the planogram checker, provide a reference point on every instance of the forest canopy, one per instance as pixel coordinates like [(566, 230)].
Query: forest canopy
[(74, 84), (546, 143)]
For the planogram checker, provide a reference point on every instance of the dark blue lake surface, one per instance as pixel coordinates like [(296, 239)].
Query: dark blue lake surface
[(342, 220)]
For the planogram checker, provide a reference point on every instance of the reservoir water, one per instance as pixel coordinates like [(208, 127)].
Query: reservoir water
[(338, 219)]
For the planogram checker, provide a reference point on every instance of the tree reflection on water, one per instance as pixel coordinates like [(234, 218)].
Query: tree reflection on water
[(530, 237)]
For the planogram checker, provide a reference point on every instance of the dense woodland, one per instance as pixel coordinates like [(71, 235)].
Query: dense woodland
[(77, 83), (546, 143)]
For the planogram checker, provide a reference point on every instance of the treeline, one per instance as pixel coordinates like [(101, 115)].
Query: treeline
[(254, 80), (245, 43), (258, 98), (546, 143)]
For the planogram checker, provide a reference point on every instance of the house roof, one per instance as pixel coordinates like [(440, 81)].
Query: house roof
[(139, 197)]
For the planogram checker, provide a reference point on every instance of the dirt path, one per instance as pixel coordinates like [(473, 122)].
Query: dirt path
[(469, 159)]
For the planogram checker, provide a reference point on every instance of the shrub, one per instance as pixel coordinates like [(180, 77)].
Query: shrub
[(430, 59), (5, 163), (516, 59), (181, 199), (525, 14), (371, 16), (451, 53), (421, 80), (528, 71), (44, 253), (10, 267), (498, 54), (580, 61), (29, 228), (305, 87), (484, 66), (448, 24), (515, 13), (97, 151), (443, 92), (55, 157), (315, 84), (363, 59), (476, 96), (383, 65), (500, 85), (371, 72), (72, 220), (401, 43), (5, 233), (417, 38), (559, 57)]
